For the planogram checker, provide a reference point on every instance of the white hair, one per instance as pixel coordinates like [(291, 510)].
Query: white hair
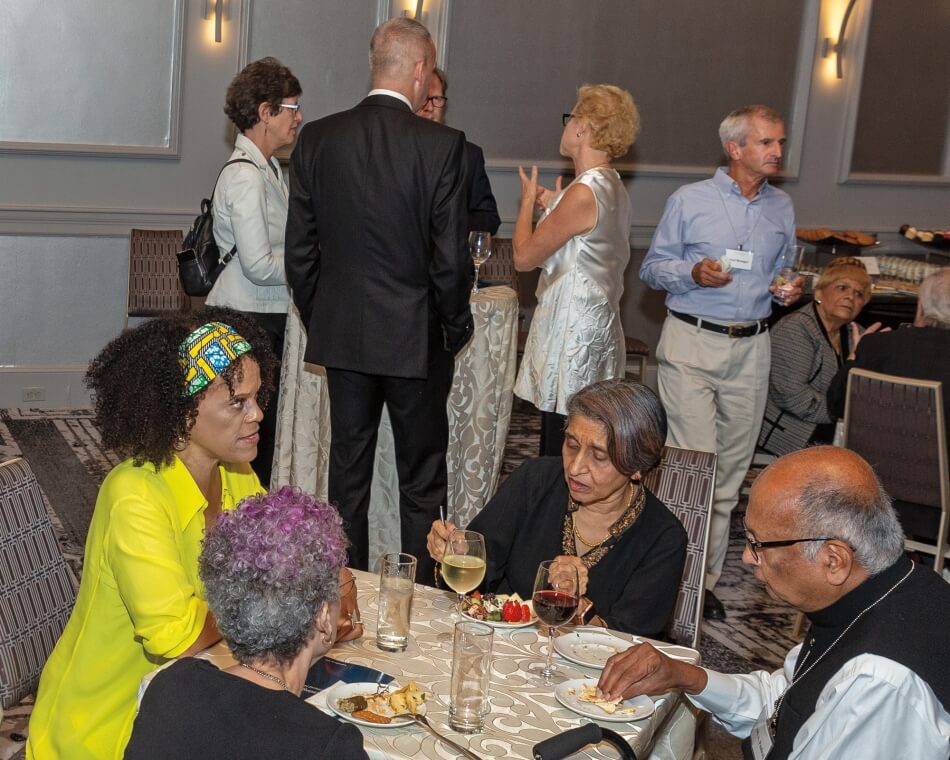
[(934, 299), (735, 127)]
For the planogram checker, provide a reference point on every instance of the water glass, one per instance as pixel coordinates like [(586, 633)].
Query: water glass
[(397, 576), (471, 668), (790, 262)]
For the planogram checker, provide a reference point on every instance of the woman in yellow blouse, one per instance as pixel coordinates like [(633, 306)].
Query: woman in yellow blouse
[(181, 398)]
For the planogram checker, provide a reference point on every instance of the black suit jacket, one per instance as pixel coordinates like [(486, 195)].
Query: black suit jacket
[(482, 209), (376, 251), (922, 353)]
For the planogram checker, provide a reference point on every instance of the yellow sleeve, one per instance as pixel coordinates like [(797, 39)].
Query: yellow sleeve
[(146, 551)]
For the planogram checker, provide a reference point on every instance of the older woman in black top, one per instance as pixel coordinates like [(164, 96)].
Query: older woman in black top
[(590, 509), (274, 575)]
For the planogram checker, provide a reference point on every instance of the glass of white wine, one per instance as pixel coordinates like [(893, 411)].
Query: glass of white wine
[(463, 562), (479, 246)]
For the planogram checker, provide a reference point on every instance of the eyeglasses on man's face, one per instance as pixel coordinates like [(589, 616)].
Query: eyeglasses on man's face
[(437, 101), (755, 546)]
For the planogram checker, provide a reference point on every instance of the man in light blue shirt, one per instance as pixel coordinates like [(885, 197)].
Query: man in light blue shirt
[(715, 252)]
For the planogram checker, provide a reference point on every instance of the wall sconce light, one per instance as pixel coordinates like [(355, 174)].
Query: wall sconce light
[(417, 16), (217, 10), (831, 46)]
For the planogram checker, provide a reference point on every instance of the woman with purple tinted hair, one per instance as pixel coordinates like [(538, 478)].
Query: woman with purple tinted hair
[(273, 571)]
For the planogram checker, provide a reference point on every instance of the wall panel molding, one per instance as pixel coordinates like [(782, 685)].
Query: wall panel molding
[(91, 98)]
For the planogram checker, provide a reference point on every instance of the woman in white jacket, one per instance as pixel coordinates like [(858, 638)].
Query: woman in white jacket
[(250, 212)]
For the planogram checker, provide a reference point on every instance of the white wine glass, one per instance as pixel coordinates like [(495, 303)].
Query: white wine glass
[(463, 562), (479, 246), (555, 599)]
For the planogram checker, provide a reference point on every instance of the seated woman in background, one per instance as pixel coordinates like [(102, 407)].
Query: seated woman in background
[(582, 246), (589, 508), (181, 398), (272, 573), (808, 347)]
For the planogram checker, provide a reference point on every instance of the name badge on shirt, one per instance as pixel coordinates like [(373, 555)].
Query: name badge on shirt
[(760, 741), (739, 259)]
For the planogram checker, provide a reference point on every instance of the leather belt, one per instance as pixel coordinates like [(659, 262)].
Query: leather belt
[(733, 331)]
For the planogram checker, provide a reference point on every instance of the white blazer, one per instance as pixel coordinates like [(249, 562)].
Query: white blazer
[(250, 210)]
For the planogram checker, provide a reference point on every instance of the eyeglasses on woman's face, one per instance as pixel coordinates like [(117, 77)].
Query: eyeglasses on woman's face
[(294, 108), (565, 118)]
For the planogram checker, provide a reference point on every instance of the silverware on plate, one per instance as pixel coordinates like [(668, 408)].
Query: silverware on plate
[(421, 720)]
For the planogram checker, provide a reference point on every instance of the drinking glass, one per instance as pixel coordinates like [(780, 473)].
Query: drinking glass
[(397, 575), (471, 668), (555, 597), (463, 563), (479, 245), (790, 263)]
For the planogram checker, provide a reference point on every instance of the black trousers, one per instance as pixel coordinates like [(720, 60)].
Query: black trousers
[(421, 435), (552, 433), (273, 325)]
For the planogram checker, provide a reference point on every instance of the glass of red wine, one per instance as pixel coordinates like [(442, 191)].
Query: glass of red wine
[(555, 598)]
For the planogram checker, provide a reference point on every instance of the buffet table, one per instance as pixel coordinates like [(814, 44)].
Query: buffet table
[(479, 411), (523, 712)]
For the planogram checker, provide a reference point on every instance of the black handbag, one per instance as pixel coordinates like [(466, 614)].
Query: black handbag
[(200, 261)]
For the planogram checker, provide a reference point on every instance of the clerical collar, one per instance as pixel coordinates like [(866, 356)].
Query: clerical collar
[(847, 607)]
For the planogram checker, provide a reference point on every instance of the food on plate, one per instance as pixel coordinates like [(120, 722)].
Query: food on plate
[(383, 706), (813, 235), (497, 608), (610, 706)]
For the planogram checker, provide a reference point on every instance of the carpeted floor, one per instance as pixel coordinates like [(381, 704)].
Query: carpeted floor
[(65, 451)]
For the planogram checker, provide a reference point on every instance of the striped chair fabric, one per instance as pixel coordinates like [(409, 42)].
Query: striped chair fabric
[(684, 481), (37, 589), (154, 287)]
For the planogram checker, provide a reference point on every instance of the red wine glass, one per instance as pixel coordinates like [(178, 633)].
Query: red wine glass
[(555, 600)]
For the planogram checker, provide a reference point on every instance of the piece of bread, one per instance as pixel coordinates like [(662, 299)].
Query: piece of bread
[(813, 234)]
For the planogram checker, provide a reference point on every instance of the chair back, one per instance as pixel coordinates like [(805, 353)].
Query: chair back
[(500, 266), (154, 288), (684, 481), (37, 589), (897, 425)]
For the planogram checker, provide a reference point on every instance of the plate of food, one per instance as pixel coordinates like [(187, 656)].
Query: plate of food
[(375, 706), (580, 695), (589, 648), (499, 610)]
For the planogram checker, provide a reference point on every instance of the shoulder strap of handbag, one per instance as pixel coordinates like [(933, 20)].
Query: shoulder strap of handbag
[(230, 254)]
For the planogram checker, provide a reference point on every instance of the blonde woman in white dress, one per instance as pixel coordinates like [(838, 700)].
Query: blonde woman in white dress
[(581, 244)]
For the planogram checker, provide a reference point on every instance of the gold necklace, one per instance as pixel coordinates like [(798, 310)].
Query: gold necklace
[(268, 676), (597, 545)]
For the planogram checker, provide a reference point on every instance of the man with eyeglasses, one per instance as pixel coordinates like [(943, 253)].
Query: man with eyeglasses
[(872, 678), (482, 209)]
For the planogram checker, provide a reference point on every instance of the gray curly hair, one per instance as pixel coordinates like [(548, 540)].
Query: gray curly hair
[(268, 567)]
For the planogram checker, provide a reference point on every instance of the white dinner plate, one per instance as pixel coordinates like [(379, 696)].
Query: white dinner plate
[(588, 648), (637, 708), (344, 690)]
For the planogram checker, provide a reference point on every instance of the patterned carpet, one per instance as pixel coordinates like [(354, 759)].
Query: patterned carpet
[(65, 451)]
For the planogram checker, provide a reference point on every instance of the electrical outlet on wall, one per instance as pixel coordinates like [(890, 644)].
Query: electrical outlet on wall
[(34, 394)]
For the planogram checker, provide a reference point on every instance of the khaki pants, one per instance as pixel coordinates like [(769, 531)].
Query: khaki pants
[(714, 389)]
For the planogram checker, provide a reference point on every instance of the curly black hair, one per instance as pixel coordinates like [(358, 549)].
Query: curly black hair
[(263, 81), (138, 383)]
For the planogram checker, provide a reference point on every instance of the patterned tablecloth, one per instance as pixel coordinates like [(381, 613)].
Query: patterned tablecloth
[(479, 409)]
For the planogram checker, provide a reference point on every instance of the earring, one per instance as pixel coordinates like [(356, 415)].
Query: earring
[(817, 300), (180, 443), (578, 134)]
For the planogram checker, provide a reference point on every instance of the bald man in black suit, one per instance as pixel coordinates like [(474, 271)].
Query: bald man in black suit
[(377, 261)]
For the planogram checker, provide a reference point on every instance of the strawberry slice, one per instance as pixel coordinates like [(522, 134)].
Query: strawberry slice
[(525, 613)]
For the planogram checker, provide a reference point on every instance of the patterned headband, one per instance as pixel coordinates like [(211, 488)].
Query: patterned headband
[(207, 352)]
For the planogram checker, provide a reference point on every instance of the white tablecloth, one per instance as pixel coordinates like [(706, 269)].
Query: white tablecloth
[(523, 711), (479, 411)]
